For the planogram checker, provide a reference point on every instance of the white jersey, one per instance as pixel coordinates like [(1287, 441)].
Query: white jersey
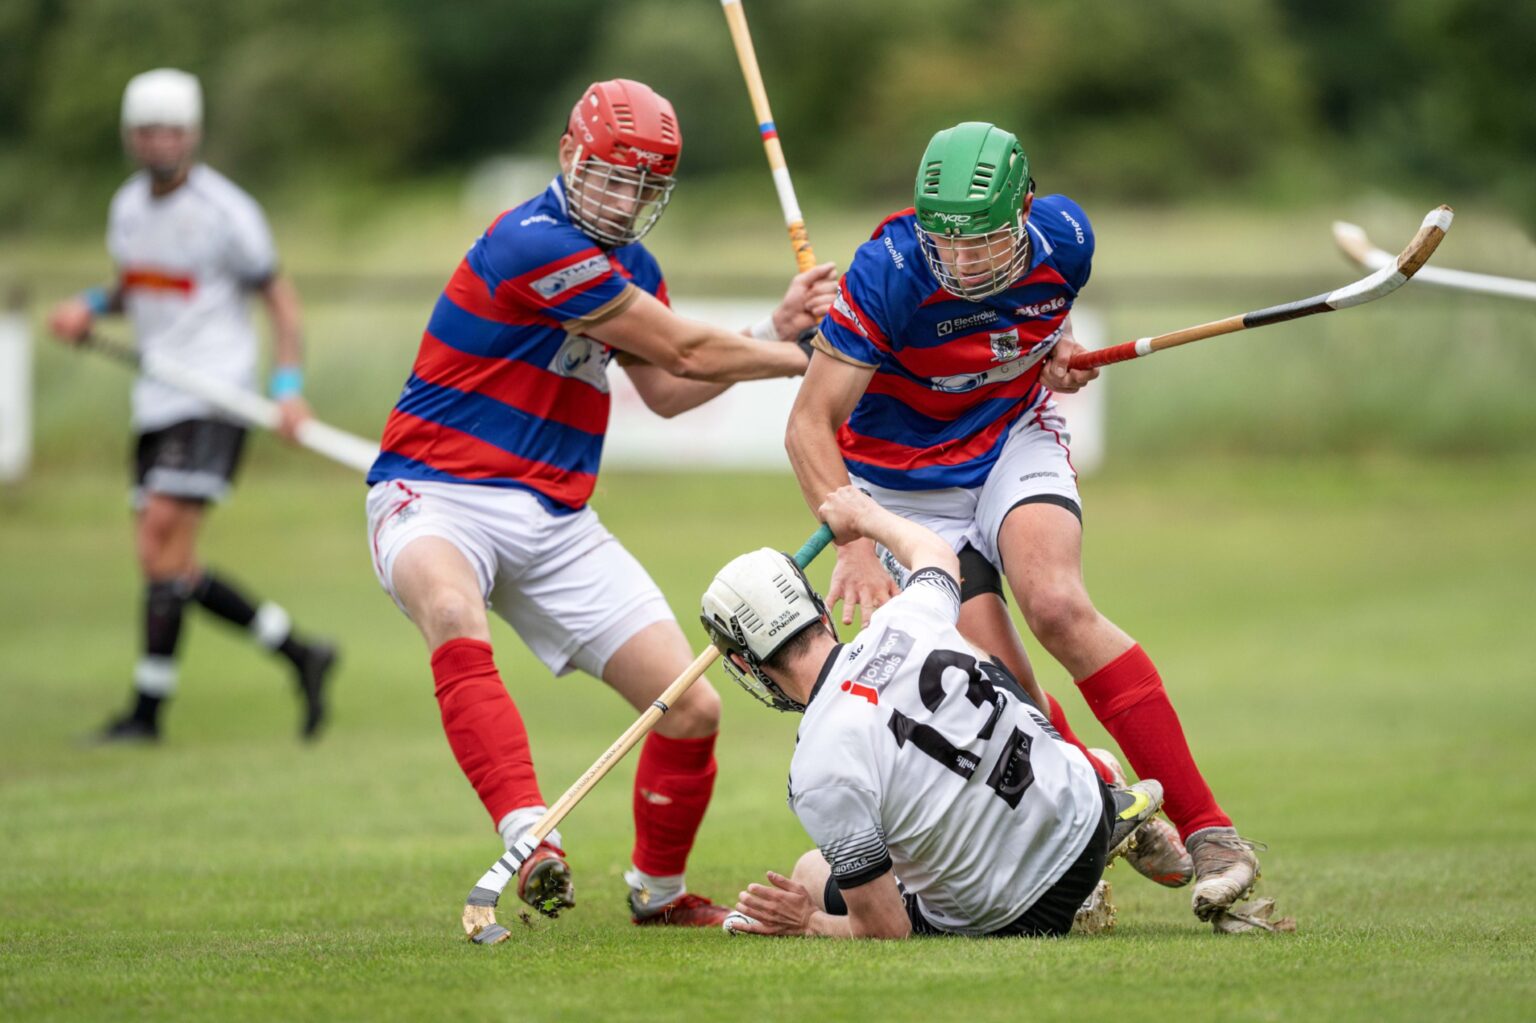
[(915, 756), (186, 264)]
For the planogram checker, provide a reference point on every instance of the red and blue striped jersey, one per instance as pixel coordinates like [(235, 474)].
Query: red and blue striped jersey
[(951, 375), (506, 391)]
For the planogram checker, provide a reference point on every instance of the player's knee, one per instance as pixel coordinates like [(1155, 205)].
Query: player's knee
[(1057, 612), (697, 714), (448, 613)]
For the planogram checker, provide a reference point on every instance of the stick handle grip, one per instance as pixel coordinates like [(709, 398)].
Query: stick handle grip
[(815, 545), (1105, 356)]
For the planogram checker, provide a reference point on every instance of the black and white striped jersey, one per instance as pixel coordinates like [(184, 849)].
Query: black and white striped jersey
[(916, 755)]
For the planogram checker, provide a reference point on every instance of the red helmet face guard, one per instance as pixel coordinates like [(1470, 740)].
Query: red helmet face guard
[(627, 147)]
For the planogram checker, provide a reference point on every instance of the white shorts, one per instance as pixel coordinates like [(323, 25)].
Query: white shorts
[(563, 582), (1034, 465)]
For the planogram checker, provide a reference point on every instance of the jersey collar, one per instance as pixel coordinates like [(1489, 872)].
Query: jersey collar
[(826, 669)]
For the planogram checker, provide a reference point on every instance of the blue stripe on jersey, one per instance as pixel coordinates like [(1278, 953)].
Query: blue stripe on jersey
[(885, 417), (463, 331), (513, 430), (930, 477), (390, 466)]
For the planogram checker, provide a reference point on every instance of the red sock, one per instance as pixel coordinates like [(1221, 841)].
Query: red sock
[(484, 727), (1128, 698), (1058, 719), (672, 788)]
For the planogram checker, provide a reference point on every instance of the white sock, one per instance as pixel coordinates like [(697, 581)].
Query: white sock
[(517, 823), (648, 892)]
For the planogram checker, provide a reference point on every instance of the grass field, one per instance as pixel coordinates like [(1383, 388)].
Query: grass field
[(1348, 642)]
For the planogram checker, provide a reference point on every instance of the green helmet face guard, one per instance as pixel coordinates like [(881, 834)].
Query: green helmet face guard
[(969, 200)]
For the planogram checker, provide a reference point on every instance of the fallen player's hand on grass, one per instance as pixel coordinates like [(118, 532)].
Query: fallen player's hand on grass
[(785, 908)]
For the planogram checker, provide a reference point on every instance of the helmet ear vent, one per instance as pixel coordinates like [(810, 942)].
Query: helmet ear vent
[(668, 130)]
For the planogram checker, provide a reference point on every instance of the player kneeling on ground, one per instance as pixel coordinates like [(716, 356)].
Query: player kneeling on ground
[(941, 799)]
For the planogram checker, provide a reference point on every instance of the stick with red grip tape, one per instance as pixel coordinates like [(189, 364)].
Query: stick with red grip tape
[(1378, 285)]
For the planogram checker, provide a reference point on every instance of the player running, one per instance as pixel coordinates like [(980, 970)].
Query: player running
[(479, 495), (950, 330), (941, 800), (191, 248)]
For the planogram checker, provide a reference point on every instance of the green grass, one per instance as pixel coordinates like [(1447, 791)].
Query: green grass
[(1347, 641)]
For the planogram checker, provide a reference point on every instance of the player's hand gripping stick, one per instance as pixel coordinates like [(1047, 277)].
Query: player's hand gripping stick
[(479, 918)]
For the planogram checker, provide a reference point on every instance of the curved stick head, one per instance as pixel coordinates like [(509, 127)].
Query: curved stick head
[(1431, 233)]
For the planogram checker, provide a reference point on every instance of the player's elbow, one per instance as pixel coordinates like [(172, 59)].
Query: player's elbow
[(687, 357)]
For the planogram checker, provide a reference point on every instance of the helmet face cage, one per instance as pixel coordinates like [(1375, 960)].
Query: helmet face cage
[(734, 657), (977, 266), (615, 205)]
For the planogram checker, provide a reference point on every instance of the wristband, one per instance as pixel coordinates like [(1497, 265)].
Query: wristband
[(806, 347), (287, 382), (97, 301), (764, 330)]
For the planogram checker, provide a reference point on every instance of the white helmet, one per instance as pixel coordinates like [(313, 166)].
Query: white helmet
[(163, 96), (758, 603)]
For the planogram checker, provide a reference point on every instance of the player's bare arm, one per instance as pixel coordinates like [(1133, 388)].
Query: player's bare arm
[(852, 513), (808, 298), (786, 907), (1057, 373), (694, 350), (281, 299), (72, 319), (832, 387)]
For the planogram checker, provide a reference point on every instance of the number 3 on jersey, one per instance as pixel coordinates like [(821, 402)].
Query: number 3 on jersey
[(1012, 775)]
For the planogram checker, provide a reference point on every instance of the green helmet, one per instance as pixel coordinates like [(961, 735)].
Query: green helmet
[(971, 184)]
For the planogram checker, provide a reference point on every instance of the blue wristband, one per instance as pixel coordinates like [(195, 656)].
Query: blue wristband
[(287, 382), (97, 300)]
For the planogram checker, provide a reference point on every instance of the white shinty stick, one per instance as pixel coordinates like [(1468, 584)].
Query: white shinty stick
[(252, 409), (1352, 239), (1393, 274)]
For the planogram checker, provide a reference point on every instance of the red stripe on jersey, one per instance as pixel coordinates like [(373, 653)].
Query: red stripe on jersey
[(525, 281), (972, 353), (662, 296), (143, 278), (894, 216), (469, 458), (467, 291), (890, 455), (947, 406), (865, 325), (563, 400)]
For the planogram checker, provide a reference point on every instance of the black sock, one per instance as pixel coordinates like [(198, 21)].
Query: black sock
[(163, 603), (219, 596), (147, 709), (223, 600)]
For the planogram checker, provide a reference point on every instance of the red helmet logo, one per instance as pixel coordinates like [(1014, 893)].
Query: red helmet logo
[(626, 123)]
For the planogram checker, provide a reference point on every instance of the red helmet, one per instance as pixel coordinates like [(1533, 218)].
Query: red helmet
[(626, 123)]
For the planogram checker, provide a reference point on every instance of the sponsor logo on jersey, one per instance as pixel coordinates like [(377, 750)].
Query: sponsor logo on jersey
[(568, 277), (896, 257), (583, 359), (1077, 229), (895, 646), (872, 695), (840, 303), (537, 218), (1005, 345), (948, 327), (1042, 308)]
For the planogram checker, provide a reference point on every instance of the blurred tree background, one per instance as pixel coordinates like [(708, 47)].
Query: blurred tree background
[(1267, 101)]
